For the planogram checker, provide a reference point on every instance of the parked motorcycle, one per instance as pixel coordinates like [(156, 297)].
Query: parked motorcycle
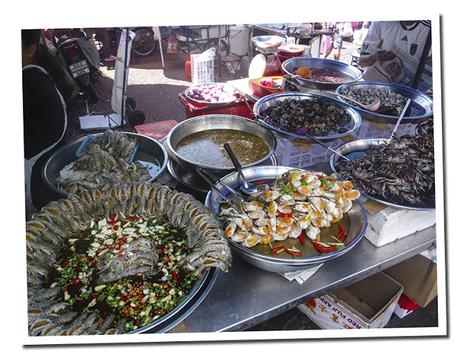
[(82, 59)]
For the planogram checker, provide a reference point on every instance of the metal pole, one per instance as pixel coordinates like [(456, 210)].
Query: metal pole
[(422, 62), (123, 91)]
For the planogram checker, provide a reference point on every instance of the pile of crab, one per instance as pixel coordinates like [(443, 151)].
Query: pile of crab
[(401, 170), (115, 261)]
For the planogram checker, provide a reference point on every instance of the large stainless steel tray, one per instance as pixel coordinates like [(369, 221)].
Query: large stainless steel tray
[(265, 102), (357, 148), (260, 256), (103, 208), (216, 121), (151, 153), (420, 108), (289, 67), (194, 181)]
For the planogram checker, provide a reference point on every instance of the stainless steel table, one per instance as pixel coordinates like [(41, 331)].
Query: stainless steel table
[(246, 296)]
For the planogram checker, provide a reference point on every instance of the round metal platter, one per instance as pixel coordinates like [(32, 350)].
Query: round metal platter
[(261, 256), (268, 101), (228, 88), (420, 108), (194, 181), (151, 154), (357, 148), (196, 295), (289, 66)]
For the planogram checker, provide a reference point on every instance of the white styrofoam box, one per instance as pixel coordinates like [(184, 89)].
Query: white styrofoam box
[(303, 153), (391, 224)]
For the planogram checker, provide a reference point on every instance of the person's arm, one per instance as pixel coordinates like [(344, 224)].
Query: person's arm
[(372, 42)]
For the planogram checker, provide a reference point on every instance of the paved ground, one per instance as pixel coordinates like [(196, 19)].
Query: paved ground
[(156, 92)]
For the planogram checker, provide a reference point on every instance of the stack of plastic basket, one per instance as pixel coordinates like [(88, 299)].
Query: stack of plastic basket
[(202, 67)]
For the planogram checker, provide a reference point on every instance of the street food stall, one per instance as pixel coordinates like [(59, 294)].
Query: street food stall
[(277, 189)]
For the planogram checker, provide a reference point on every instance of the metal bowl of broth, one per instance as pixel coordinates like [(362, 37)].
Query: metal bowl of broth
[(198, 142)]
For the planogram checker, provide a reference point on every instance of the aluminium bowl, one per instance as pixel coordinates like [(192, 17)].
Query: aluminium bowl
[(356, 219), (150, 151), (265, 102), (227, 87), (289, 67), (268, 42), (214, 122), (421, 103), (357, 148)]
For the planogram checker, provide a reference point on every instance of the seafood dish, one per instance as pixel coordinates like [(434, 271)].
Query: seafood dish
[(391, 103), (295, 206), (313, 115), (322, 75), (400, 170), (114, 261), (213, 93), (106, 161), (248, 148)]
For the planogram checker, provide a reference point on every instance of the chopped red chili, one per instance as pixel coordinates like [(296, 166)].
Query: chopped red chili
[(292, 252), (322, 249), (276, 249), (279, 214), (302, 238), (175, 277)]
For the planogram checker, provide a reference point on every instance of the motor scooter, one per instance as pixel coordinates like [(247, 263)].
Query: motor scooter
[(82, 59)]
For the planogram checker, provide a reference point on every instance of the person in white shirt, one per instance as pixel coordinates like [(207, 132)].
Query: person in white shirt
[(392, 50)]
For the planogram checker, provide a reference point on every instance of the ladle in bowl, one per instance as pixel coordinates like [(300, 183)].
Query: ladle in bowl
[(373, 107), (247, 187)]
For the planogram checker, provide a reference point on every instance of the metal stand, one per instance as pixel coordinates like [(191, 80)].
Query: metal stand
[(125, 67)]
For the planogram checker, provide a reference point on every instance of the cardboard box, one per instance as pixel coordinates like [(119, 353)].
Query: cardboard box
[(405, 307), (389, 224), (418, 275), (368, 303)]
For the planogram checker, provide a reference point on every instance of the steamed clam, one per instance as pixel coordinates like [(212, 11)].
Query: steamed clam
[(299, 202)]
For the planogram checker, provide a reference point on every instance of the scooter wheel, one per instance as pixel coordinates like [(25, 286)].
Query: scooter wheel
[(135, 117), (130, 104)]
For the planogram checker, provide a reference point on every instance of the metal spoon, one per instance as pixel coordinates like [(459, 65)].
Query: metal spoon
[(400, 118), (235, 199), (373, 107), (247, 187)]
